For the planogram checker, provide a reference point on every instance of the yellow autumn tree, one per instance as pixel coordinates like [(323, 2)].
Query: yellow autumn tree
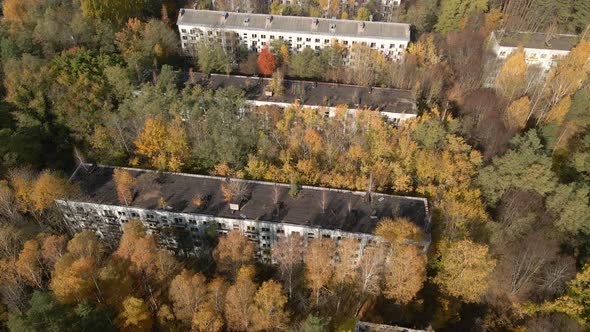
[(75, 274), (569, 74), (188, 292), (512, 77), (318, 262), (268, 310), (465, 270), (405, 272), (125, 185), (47, 188), (517, 113), (22, 181), (559, 110), (17, 10), (399, 230), (206, 319), (163, 145), (28, 264), (238, 300), (135, 316), (424, 52), (233, 251)]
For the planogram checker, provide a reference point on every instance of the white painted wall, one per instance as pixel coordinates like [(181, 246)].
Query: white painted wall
[(256, 39)]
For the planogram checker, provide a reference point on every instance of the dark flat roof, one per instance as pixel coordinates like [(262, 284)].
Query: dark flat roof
[(346, 210), (536, 40), (317, 93), (294, 24)]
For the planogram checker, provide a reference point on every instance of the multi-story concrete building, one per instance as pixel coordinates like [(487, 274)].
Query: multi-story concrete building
[(539, 48), (395, 105), (182, 209), (255, 31)]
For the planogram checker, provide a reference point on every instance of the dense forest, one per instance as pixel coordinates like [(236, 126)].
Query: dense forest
[(500, 149)]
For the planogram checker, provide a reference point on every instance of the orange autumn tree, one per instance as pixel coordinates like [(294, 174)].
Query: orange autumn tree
[(266, 62)]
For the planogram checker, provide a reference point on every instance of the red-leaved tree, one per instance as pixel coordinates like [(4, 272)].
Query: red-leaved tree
[(266, 62)]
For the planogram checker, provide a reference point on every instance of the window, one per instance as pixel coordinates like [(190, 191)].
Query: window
[(317, 40), (184, 37), (373, 45), (192, 221), (543, 56), (345, 42), (382, 46), (263, 36), (401, 46), (121, 213), (79, 209), (254, 36), (134, 215), (326, 236), (326, 41), (210, 33), (177, 220), (149, 216), (317, 48), (308, 40), (391, 45), (183, 30), (280, 231), (299, 38), (503, 53), (272, 37)]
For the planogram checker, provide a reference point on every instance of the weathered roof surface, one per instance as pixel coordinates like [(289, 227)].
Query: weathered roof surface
[(210, 18), (345, 210), (371, 327), (317, 93), (536, 40)]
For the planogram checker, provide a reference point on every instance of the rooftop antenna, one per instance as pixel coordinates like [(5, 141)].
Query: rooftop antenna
[(370, 187), (79, 159)]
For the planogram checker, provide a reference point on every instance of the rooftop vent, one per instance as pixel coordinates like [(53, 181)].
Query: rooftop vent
[(332, 27), (314, 23), (361, 26), (246, 21), (182, 12), (268, 20), (223, 17)]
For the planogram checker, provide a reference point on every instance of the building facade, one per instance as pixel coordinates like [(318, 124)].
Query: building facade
[(268, 212), (540, 49), (255, 31)]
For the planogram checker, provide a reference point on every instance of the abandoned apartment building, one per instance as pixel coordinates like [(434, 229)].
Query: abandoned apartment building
[(181, 209), (394, 105), (256, 31)]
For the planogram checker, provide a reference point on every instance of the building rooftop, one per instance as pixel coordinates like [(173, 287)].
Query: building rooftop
[(370, 327), (536, 40), (317, 93), (313, 206), (294, 24)]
